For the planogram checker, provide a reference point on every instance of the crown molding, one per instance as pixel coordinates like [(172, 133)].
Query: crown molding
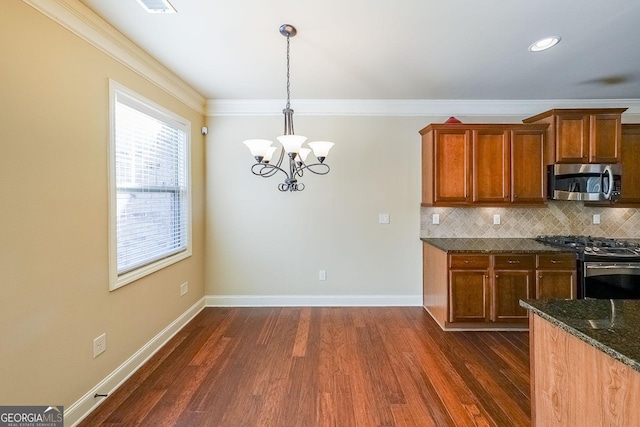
[(408, 107), (86, 24)]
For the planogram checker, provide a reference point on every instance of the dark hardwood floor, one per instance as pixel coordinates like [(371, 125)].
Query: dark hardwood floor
[(312, 366)]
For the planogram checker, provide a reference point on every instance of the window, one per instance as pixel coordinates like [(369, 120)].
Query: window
[(150, 224)]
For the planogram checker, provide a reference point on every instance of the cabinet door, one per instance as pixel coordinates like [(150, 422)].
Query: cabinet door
[(509, 287), (527, 166), (490, 170), (468, 296), (572, 138), (556, 284), (605, 138), (630, 161), (451, 166)]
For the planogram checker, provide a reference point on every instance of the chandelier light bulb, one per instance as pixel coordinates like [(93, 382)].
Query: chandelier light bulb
[(321, 148), (292, 143), (269, 154), (258, 147)]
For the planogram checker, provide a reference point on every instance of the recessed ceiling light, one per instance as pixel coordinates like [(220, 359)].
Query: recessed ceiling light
[(544, 43), (157, 6)]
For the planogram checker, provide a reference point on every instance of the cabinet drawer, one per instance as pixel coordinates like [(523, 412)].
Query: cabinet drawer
[(475, 262), (559, 261), (514, 262)]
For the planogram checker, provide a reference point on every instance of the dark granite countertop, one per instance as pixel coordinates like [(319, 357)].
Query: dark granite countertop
[(609, 325), (495, 245)]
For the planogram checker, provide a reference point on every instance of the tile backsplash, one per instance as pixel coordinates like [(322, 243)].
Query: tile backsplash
[(557, 218)]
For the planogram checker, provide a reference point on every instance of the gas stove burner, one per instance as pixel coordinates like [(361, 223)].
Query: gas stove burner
[(594, 246)]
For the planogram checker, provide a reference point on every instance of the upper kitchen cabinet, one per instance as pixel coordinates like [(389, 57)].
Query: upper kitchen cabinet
[(582, 135), (630, 163), (482, 164)]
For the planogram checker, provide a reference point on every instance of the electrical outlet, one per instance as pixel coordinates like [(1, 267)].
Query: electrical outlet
[(435, 219), (383, 218), (184, 288), (596, 218), (322, 275), (496, 219), (99, 345)]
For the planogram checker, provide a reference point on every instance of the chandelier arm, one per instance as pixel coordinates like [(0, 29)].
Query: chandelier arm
[(266, 170), (320, 168)]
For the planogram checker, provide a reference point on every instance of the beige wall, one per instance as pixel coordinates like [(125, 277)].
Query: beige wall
[(264, 242), (53, 239)]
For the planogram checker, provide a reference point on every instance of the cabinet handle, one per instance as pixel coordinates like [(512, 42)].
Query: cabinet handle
[(497, 276), (511, 261), (466, 261), (555, 261)]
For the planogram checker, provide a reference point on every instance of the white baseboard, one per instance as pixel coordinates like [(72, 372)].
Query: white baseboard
[(87, 403), (312, 300)]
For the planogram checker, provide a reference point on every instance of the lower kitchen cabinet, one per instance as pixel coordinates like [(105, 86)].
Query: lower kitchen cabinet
[(556, 276), (480, 290), (512, 281), (468, 293)]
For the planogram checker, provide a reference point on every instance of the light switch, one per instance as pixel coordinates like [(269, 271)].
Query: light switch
[(383, 218)]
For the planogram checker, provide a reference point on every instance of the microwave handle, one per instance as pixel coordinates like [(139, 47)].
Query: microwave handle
[(607, 169)]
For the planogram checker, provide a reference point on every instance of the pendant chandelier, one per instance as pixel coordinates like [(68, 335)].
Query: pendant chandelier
[(296, 154)]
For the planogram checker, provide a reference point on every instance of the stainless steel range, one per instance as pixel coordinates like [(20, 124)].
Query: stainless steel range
[(607, 268)]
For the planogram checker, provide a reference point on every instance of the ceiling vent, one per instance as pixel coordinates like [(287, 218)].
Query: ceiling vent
[(157, 6)]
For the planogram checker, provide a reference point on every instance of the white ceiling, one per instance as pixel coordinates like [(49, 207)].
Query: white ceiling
[(393, 49)]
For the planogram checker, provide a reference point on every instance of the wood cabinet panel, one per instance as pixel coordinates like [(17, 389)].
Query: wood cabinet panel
[(473, 262), (527, 166), (451, 166), (605, 138), (555, 284), (572, 138), (630, 163), (509, 287), (468, 296), (514, 262), (557, 261), (491, 166)]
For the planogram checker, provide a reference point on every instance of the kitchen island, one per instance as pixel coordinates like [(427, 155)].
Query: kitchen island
[(585, 362)]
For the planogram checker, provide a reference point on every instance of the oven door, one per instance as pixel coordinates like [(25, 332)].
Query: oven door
[(615, 280)]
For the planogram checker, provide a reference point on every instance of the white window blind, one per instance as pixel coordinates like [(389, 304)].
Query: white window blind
[(150, 169)]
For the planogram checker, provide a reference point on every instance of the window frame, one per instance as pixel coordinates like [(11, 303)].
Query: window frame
[(152, 109)]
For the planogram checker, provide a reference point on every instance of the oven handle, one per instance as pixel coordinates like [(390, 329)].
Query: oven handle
[(591, 269)]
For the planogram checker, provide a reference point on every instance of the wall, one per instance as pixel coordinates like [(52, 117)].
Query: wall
[(268, 244), (53, 239)]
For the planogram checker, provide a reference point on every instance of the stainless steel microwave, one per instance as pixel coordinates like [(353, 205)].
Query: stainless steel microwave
[(583, 181)]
